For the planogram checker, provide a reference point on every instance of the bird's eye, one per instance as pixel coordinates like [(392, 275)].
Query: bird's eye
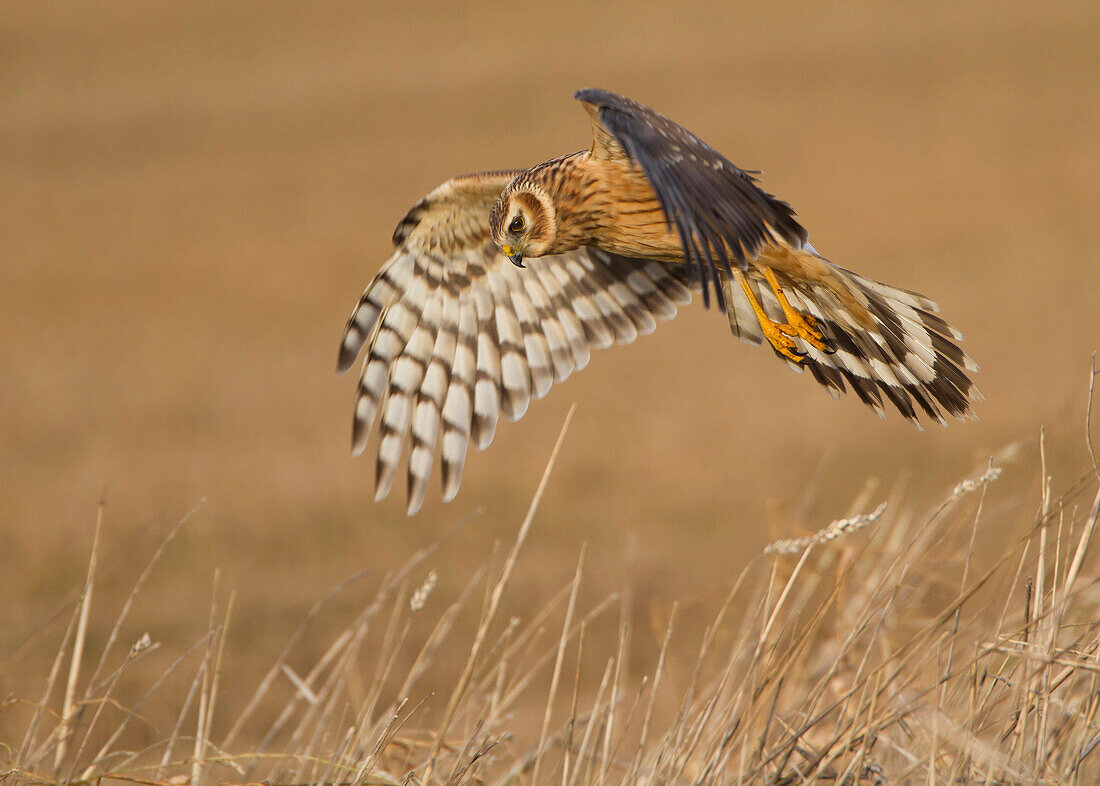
[(516, 225)]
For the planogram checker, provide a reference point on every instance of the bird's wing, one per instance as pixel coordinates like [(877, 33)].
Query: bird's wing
[(717, 209), (456, 334)]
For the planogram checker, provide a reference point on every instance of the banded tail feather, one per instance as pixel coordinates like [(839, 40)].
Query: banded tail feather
[(896, 350)]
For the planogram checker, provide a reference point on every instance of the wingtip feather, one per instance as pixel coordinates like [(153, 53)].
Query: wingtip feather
[(345, 360)]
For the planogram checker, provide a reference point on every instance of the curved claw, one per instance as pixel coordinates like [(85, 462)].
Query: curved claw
[(780, 336), (777, 335), (805, 327), (798, 325)]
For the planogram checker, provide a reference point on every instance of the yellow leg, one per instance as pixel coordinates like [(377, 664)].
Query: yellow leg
[(775, 333), (800, 325)]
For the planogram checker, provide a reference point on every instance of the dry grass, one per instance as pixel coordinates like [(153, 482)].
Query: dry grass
[(881, 657)]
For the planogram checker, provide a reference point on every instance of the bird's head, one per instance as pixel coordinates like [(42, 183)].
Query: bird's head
[(523, 221)]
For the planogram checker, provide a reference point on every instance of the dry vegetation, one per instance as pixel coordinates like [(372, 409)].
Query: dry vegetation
[(887, 656)]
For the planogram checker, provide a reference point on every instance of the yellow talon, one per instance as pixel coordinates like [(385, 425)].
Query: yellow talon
[(777, 337), (798, 325), (775, 332)]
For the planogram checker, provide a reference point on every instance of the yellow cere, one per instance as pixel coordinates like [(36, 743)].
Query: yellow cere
[(507, 250)]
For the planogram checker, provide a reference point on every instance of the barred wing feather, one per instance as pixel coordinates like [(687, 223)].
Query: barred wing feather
[(455, 335)]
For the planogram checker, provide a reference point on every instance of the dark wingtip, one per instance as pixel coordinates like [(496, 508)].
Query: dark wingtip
[(350, 345), (598, 96), (345, 361)]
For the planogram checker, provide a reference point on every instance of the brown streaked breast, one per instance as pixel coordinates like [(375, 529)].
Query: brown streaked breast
[(629, 218)]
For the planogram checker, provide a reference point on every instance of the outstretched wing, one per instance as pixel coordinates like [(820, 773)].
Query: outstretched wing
[(457, 335), (717, 209)]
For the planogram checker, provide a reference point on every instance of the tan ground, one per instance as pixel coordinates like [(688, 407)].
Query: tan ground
[(193, 196)]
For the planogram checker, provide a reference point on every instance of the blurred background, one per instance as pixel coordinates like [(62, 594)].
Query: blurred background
[(194, 195)]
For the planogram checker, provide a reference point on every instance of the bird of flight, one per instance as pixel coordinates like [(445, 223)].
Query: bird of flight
[(501, 283)]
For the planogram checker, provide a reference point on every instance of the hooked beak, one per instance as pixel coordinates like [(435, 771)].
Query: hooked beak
[(513, 255)]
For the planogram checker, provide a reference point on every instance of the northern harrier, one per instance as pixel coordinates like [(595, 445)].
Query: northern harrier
[(459, 329)]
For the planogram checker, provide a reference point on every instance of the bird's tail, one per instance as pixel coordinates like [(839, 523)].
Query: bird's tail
[(887, 344)]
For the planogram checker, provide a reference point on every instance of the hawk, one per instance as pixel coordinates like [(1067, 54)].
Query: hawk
[(501, 284)]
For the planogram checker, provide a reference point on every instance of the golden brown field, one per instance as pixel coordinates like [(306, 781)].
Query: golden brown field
[(194, 196)]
